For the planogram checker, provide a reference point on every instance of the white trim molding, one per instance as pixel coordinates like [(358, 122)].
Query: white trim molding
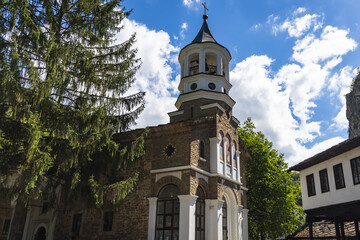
[(204, 94), (191, 167), (174, 174), (235, 120), (211, 105), (175, 113)]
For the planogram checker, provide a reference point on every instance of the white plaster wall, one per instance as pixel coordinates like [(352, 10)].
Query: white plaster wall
[(350, 193)]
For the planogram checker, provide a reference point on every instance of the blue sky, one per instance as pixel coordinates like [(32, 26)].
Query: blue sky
[(292, 63)]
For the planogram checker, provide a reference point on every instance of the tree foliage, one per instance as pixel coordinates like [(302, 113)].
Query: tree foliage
[(272, 194), (63, 83)]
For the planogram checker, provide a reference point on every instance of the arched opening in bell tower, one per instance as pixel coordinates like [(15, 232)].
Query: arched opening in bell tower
[(193, 64), (224, 68), (210, 63)]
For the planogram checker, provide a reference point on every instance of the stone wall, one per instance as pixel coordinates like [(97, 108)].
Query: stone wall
[(353, 108)]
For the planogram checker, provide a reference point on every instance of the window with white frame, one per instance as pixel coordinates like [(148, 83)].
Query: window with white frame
[(310, 185), (355, 169), (228, 149), (200, 215), (225, 228), (221, 137), (234, 154), (167, 213), (339, 176)]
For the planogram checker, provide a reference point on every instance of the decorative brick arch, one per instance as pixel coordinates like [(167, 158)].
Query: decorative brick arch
[(168, 180), (205, 186)]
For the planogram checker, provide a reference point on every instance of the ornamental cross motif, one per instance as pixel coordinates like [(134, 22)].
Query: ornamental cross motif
[(205, 8)]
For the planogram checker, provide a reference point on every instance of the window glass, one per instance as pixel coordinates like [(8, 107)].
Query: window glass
[(221, 137), (355, 169), (324, 181), (76, 223), (224, 220), (234, 154), (200, 215), (167, 213), (201, 149), (6, 227), (228, 149), (108, 221), (310, 185), (339, 176)]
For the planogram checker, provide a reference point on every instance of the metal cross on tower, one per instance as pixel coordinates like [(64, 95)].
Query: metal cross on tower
[(205, 8)]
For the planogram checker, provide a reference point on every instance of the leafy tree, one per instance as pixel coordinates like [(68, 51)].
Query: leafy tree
[(272, 195), (63, 83)]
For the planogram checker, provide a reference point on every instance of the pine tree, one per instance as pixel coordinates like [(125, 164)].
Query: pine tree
[(273, 194), (63, 83)]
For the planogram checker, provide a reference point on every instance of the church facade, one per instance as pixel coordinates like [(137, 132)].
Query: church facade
[(193, 173)]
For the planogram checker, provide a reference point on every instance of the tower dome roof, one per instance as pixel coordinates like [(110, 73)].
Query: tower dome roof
[(204, 34)]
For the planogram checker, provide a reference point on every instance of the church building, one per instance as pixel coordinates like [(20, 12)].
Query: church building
[(193, 183)]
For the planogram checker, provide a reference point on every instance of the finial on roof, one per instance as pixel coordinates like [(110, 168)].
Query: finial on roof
[(205, 9)]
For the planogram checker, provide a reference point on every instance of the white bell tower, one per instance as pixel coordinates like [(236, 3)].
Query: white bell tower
[(204, 75)]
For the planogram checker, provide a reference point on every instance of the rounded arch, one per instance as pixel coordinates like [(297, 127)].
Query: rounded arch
[(234, 149), (228, 148), (193, 59), (221, 141), (168, 180), (231, 202), (40, 232), (211, 63), (167, 212)]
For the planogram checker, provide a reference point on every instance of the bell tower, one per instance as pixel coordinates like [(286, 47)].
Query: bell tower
[(204, 77)]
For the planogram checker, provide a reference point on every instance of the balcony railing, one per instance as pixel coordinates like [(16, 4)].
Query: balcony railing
[(210, 69)]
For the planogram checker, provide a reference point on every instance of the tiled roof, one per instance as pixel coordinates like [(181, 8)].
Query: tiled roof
[(324, 230)]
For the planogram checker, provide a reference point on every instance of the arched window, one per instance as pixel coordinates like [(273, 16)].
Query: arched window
[(193, 64), (40, 234), (228, 149), (224, 221), (167, 213), (221, 137), (202, 149), (200, 215), (234, 154), (210, 63)]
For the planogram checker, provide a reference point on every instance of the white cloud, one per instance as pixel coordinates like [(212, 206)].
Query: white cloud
[(333, 42), (299, 11), (340, 86), (184, 28), (190, 3), (155, 74), (296, 27), (256, 26), (282, 103)]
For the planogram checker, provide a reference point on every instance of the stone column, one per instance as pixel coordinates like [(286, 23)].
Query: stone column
[(240, 222), (213, 216), (214, 153), (245, 224), (152, 217), (202, 61), (187, 216)]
